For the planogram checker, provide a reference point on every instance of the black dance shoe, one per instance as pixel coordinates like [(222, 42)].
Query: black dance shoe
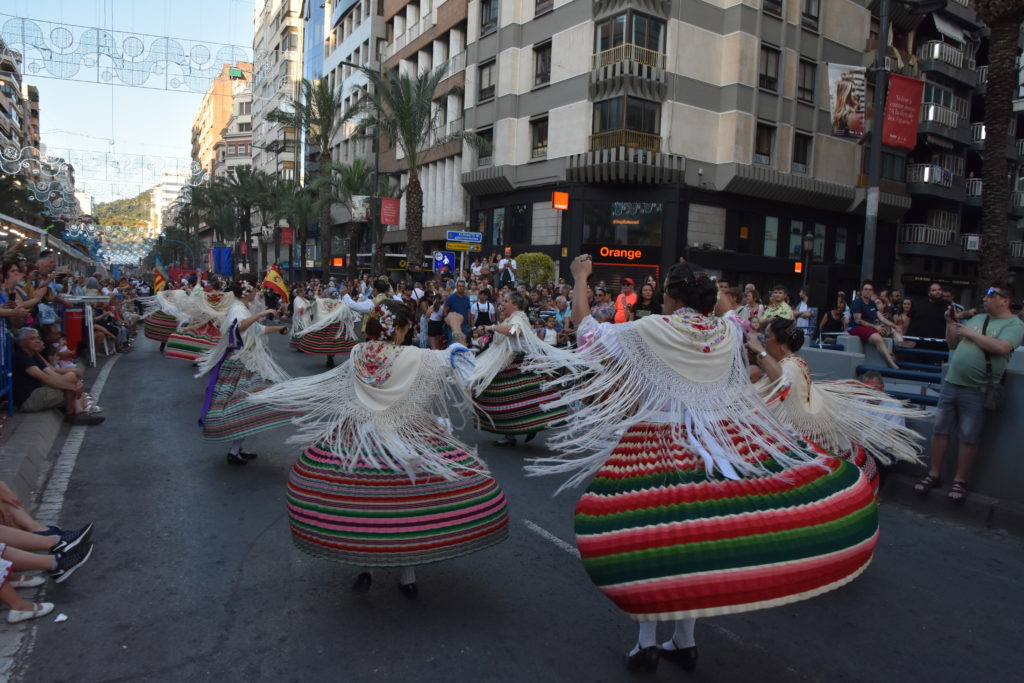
[(409, 590), (685, 657), (330, 362), (363, 582), (236, 459), (530, 437), (507, 440), (645, 660), (248, 456)]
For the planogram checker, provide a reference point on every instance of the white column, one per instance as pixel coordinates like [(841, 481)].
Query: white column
[(456, 41), (454, 108), (445, 189), (423, 62), (439, 51), (458, 194), (427, 182), (402, 209), (412, 13), (399, 25)]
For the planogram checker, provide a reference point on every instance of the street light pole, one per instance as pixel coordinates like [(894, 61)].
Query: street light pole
[(867, 264)]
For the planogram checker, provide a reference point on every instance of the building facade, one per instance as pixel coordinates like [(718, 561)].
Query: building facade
[(19, 104), (234, 148), (277, 77), (214, 111)]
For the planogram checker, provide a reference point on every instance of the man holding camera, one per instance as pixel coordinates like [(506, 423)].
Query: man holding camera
[(980, 351)]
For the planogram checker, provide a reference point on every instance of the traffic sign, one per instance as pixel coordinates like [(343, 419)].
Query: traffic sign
[(471, 237), (462, 246), (444, 261)]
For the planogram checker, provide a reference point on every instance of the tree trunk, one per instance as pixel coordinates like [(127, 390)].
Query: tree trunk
[(325, 225), (1002, 79), (354, 233), (414, 220), (379, 268)]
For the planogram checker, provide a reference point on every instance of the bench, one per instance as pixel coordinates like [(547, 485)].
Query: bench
[(908, 375), (919, 399)]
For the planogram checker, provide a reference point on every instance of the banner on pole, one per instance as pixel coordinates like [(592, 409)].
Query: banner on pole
[(902, 106), (222, 261), (288, 235), (361, 208), (846, 90), (389, 210), (243, 247)]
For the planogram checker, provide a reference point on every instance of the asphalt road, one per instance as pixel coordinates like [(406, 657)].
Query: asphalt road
[(194, 578)]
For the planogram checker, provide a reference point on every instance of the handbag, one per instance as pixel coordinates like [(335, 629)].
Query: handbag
[(994, 391)]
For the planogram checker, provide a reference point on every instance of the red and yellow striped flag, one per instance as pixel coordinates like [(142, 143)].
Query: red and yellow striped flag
[(160, 276), (274, 281)]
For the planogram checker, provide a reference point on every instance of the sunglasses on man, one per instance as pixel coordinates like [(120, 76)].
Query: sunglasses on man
[(993, 290)]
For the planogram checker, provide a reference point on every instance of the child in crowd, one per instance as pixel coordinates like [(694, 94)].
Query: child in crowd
[(549, 332)]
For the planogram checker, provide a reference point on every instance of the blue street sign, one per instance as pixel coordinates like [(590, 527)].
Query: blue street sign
[(471, 237), (444, 261)]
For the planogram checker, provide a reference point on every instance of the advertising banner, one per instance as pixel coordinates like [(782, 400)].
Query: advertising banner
[(361, 208), (389, 210), (287, 235), (846, 87), (902, 107)]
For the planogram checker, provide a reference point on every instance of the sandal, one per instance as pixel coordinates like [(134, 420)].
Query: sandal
[(928, 483), (958, 491)]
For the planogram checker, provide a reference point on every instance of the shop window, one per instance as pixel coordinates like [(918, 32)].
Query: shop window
[(805, 83), (763, 143), (488, 17), (487, 71), (626, 223), (771, 236), (819, 242), (840, 250), (539, 138), (542, 64), (519, 224), (768, 78), (802, 152), (811, 15), (498, 226)]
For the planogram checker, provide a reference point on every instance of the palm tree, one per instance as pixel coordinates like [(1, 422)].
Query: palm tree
[(345, 182), (401, 109), (298, 206), (1003, 18), (243, 188), (318, 115)]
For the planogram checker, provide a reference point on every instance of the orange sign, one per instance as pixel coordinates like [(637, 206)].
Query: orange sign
[(798, 266), (628, 254), (560, 201), (338, 261)]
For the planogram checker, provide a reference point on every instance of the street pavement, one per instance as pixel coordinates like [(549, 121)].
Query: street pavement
[(194, 578)]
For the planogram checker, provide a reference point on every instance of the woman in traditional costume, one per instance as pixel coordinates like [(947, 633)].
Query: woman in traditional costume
[(700, 503), (302, 317), (201, 331), (847, 418), (384, 482), (332, 331), (509, 400), (163, 314), (239, 365)]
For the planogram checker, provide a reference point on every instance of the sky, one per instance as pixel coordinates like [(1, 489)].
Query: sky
[(104, 118)]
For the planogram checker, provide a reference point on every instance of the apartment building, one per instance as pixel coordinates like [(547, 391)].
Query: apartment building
[(214, 112), (19, 104), (421, 35), (277, 77), (234, 148), (165, 195)]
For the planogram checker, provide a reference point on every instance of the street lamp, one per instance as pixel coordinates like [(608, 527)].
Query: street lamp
[(920, 7), (807, 243)]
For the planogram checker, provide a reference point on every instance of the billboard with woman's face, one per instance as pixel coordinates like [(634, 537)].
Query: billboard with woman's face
[(846, 88)]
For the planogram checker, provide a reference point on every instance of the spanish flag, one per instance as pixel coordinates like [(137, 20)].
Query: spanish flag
[(160, 276), (274, 281)]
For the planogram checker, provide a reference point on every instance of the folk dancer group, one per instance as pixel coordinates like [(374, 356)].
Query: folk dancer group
[(707, 495)]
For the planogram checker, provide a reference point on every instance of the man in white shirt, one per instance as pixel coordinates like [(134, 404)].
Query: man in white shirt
[(507, 270)]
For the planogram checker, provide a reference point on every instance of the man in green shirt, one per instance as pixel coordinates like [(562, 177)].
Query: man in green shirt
[(998, 332)]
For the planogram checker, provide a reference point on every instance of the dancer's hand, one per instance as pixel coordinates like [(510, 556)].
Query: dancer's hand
[(581, 268)]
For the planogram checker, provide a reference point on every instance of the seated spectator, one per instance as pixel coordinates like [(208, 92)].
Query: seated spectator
[(549, 331), (833, 322), (39, 386), (866, 324), (547, 309), (603, 310), (778, 307)]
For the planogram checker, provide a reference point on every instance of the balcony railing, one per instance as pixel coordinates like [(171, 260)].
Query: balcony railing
[(931, 174), (982, 75), (922, 233), (970, 242), (625, 138), (963, 3), (944, 52), (933, 113), (628, 52), (1020, 148), (977, 132), (1016, 249), (974, 187), (456, 64), (1017, 199), (411, 33)]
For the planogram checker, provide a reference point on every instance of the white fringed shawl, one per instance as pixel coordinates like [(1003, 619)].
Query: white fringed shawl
[(328, 312), (173, 302), (840, 415), (254, 352), (686, 370), (505, 348), (388, 407), (302, 314)]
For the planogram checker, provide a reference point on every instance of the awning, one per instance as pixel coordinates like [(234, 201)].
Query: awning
[(949, 29)]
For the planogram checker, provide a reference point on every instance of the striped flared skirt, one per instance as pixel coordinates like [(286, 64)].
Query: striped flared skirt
[(323, 343), (511, 404), (159, 326), (373, 517), (191, 344), (664, 541), (231, 416), (867, 464)]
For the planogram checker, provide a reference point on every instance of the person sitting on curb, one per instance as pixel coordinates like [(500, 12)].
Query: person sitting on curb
[(867, 325), (39, 386)]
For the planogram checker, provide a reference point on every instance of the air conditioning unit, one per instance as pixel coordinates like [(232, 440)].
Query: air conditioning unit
[(972, 242)]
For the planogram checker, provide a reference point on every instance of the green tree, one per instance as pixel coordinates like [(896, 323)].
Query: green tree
[(243, 189), (299, 206), (345, 182), (534, 267), (1003, 18), (401, 109), (317, 113)]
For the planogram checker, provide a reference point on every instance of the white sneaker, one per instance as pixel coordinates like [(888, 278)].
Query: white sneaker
[(27, 581), (40, 609)]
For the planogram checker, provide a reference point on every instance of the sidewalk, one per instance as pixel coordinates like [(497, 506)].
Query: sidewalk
[(978, 510)]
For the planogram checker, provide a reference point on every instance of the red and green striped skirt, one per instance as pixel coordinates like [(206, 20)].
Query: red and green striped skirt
[(231, 416), (372, 517), (159, 326), (859, 457), (512, 403), (323, 342), (191, 344), (664, 541)]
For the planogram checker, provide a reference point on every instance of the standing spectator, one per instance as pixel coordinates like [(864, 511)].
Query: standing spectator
[(983, 346), (482, 311), (624, 301), (778, 306), (458, 303), (646, 304), (507, 270), (866, 324), (929, 319), (805, 315), (564, 310), (903, 319), (751, 309), (603, 311)]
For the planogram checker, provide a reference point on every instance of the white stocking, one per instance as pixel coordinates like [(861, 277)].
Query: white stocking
[(647, 637), (408, 576), (682, 637), (236, 446)]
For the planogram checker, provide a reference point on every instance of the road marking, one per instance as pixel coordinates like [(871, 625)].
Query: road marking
[(548, 536)]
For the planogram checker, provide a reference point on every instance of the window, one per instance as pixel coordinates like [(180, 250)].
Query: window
[(802, 152), (805, 81), (630, 27), (488, 17), (648, 32), (796, 239), (630, 112), (244, 108), (771, 235), (487, 155), (631, 223), (934, 94), (231, 150), (519, 223), (840, 250), (539, 138), (819, 242), (769, 76), (244, 127), (893, 167), (772, 7), (811, 14), (486, 72), (763, 143), (543, 6), (542, 64), (610, 33)]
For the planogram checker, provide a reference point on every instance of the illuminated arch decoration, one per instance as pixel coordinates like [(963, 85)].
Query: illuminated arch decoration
[(82, 53)]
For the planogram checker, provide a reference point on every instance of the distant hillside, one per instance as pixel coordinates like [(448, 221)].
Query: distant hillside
[(130, 212)]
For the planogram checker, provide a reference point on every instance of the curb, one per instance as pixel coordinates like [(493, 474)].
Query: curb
[(977, 510), (24, 455)]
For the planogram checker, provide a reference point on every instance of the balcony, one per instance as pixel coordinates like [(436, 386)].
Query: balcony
[(1017, 202), (977, 133), (628, 69), (628, 52), (970, 242), (929, 174), (1020, 148), (933, 113), (982, 72), (948, 60), (410, 34), (974, 190), (632, 139), (1017, 250), (942, 52), (925, 234), (626, 165)]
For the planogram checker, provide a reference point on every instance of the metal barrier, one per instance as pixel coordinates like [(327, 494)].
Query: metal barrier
[(6, 369)]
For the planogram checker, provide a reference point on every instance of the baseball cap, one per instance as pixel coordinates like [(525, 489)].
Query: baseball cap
[(628, 281)]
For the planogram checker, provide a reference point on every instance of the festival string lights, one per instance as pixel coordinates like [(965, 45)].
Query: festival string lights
[(112, 244)]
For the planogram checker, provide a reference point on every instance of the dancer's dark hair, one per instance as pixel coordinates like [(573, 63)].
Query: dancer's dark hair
[(402, 317), (690, 284), (787, 334)]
